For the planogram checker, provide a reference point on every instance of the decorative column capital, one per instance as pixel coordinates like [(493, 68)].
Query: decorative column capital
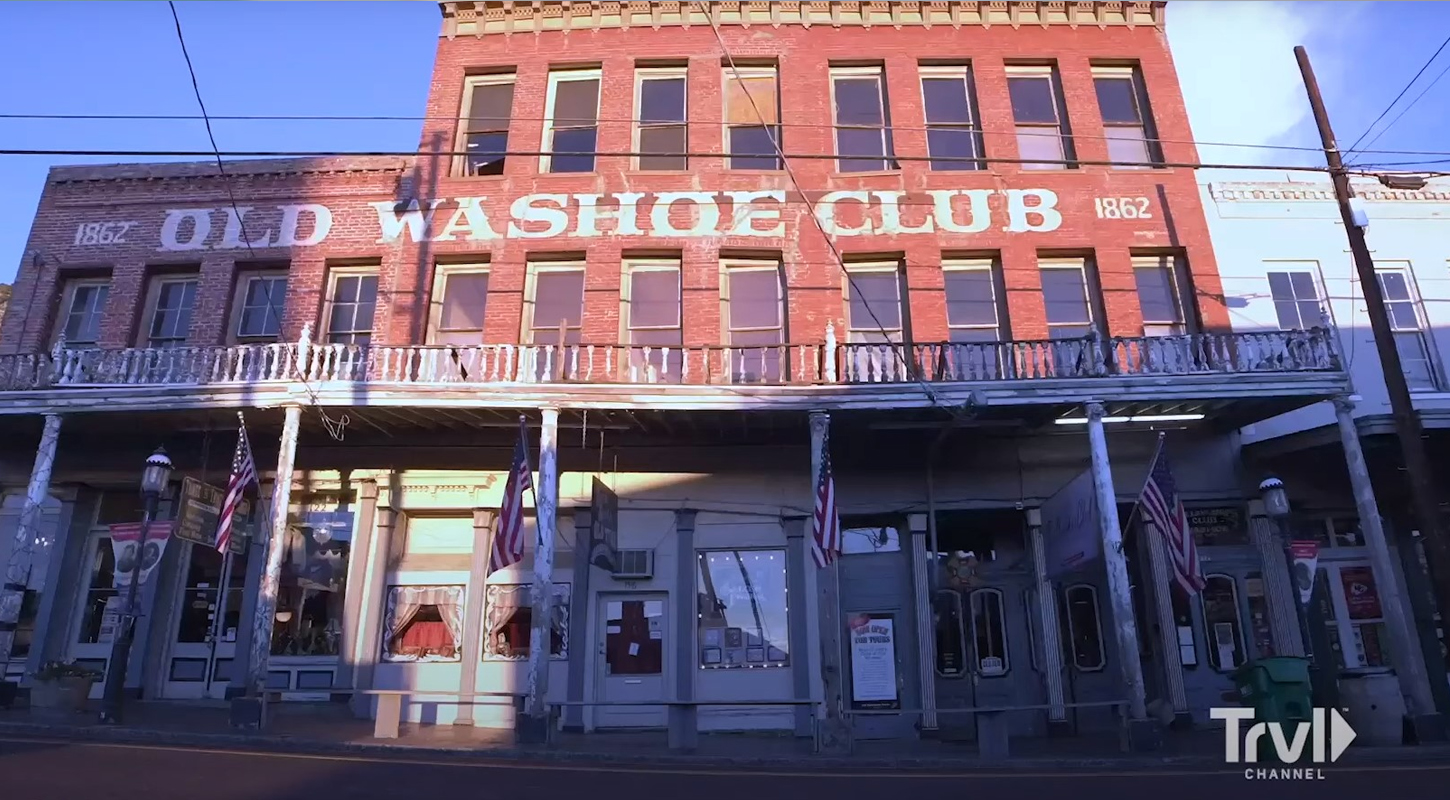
[(820, 421), (1095, 411), (1343, 404)]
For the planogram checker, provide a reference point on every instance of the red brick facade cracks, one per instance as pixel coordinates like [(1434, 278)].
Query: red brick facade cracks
[(82, 226)]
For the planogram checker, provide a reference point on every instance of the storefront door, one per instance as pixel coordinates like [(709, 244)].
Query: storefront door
[(97, 608), (1090, 656), (633, 645), (204, 623)]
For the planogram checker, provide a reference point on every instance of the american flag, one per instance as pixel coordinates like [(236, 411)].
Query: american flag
[(826, 524), (244, 473), (508, 541), (1164, 508)]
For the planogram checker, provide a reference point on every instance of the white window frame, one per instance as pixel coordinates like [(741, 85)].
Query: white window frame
[(1081, 265), (460, 165), (892, 268), (1170, 264), (729, 266), (1055, 84), (547, 142), (633, 266), (642, 74), (888, 158), (1071, 646), (442, 273), (1209, 636), (1134, 76), (67, 304), (745, 74), (963, 73), (1002, 626), (1405, 269), (333, 274), (531, 288), (153, 306), (245, 280), (1291, 268), (988, 266), (390, 605)]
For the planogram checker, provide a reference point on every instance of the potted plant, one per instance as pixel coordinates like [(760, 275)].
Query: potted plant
[(62, 686)]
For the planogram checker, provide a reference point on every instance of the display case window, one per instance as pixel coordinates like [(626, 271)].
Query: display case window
[(1223, 622), (743, 611), (989, 633), (509, 615), (423, 623)]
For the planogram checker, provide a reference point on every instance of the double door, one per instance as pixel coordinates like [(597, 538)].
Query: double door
[(204, 622), (988, 655)]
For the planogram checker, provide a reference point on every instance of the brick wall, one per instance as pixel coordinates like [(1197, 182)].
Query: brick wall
[(142, 194)]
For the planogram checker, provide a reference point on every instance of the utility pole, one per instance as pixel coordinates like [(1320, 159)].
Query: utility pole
[(1407, 421)]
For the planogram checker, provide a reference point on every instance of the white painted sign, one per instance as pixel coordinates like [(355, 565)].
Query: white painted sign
[(873, 661), (1070, 536), (692, 214)]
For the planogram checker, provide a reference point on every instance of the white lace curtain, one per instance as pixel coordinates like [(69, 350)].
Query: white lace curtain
[(407, 601)]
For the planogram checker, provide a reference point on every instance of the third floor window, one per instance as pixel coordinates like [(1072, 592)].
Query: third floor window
[(951, 129), (752, 117), (83, 305), (661, 130), (1038, 111), (1123, 102), (754, 318), (863, 132), (489, 101), (1403, 308), (571, 125), (1296, 300), (169, 307)]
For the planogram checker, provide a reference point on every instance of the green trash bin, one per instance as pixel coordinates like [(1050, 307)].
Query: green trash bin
[(1277, 688)]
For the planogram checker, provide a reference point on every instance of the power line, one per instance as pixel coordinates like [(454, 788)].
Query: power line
[(1423, 67), (634, 120), (1411, 105)]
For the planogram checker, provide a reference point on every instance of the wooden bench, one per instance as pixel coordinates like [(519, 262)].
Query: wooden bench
[(389, 717)]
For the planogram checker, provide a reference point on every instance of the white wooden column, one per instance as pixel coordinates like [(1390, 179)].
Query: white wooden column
[(1404, 643), (1278, 586), (546, 492), (1120, 595), (922, 563), (835, 731), (262, 621), (27, 539), (1047, 621), (1171, 657)]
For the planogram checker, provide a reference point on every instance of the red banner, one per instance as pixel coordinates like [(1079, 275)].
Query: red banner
[(1360, 594)]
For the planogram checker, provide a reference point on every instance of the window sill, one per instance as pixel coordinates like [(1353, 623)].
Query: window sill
[(467, 177), (865, 173)]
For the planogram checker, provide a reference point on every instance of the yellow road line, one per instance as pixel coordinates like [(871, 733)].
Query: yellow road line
[(1330, 771)]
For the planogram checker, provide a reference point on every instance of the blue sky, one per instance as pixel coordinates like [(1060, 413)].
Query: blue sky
[(1235, 60)]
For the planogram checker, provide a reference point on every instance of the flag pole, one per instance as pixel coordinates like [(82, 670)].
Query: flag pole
[(1138, 500)]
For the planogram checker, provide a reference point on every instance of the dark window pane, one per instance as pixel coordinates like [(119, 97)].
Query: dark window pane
[(1127, 146), (752, 148), (465, 296), (861, 142), (491, 107), (1394, 286), (1064, 296), (1304, 287), (1032, 99), (668, 143), (1279, 286), (875, 294), (1310, 313), (953, 143), (558, 298), (760, 338), (945, 100), (1402, 316), (858, 101), (662, 100), (654, 299), (1043, 144), (974, 335), (754, 299), (576, 102), (656, 337), (1155, 294), (971, 299), (1288, 314), (573, 150), (1117, 100), (367, 289), (486, 153)]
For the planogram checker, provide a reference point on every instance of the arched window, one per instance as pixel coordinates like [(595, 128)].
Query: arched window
[(1223, 623), (951, 640), (989, 633), (1082, 628)]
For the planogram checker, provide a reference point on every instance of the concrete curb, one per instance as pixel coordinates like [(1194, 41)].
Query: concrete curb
[(273, 743)]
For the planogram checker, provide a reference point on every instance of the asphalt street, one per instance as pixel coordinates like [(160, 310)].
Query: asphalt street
[(31, 770)]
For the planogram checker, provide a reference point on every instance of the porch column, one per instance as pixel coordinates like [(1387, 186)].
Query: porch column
[(355, 597), (684, 724), (581, 616), (1278, 586), (473, 611), (257, 660), (1403, 642), (1120, 596), (921, 565), (379, 562), (798, 561), (1170, 656), (835, 731), (1047, 621), (534, 729), (27, 534)]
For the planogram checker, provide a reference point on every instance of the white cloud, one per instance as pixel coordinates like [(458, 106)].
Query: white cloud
[(1241, 82)]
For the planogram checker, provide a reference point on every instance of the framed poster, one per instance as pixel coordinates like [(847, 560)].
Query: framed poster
[(873, 661)]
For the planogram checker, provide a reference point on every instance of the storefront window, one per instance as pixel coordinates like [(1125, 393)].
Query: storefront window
[(989, 631), (951, 639), (1082, 628), (1221, 618), (423, 623), (743, 617), (308, 621), (201, 596), (101, 595), (1366, 619), (510, 617)]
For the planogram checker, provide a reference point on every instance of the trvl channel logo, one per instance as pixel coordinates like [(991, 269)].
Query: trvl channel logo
[(1326, 735)]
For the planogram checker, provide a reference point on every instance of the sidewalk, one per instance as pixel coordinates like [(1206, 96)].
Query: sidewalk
[(329, 729)]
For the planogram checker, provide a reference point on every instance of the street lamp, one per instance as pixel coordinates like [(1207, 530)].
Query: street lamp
[(155, 477)]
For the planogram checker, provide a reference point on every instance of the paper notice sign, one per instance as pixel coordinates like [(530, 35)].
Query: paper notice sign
[(634, 648)]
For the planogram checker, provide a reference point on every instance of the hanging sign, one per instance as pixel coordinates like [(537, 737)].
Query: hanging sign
[(128, 548), (873, 662), (201, 506), (1306, 566), (1360, 595), (604, 527), (1070, 536)]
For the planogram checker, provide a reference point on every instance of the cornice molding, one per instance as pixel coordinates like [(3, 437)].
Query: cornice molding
[(1316, 193), (490, 17)]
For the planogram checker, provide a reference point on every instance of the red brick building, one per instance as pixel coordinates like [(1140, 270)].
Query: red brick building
[(675, 225)]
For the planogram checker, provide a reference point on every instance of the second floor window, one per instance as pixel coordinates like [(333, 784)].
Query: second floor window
[(653, 313), (1037, 110), (951, 130), (489, 109), (169, 317), (1404, 313), (874, 311), (557, 310), (352, 302), (1158, 297), (755, 319), (460, 298), (1066, 298), (661, 130), (571, 128), (83, 305), (1296, 300), (971, 290), (752, 117), (863, 135), (259, 302), (1123, 102)]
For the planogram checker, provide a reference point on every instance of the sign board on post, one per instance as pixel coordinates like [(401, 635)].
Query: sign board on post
[(604, 527), (126, 541), (201, 507), (1070, 536)]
